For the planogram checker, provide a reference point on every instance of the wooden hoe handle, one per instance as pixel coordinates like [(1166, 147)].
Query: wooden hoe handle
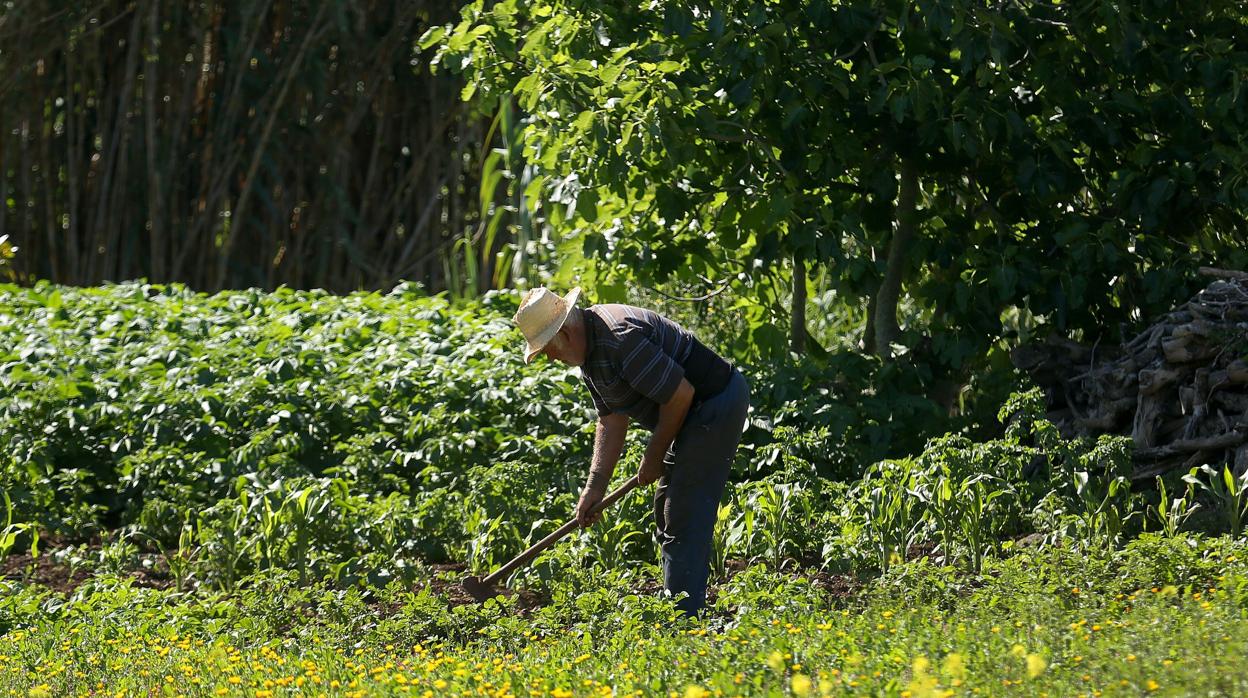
[(551, 539)]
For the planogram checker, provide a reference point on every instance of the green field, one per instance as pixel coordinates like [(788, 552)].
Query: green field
[(275, 494), (1054, 623), (264, 406)]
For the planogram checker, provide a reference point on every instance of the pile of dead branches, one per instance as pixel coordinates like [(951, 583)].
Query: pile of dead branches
[(1179, 388)]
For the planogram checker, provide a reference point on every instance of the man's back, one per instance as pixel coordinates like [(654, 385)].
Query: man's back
[(636, 358)]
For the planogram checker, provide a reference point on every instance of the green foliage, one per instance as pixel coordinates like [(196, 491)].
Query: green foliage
[(11, 531), (886, 503), (351, 438), (967, 497), (1230, 491), (844, 413), (297, 463), (1061, 620), (1171, 512), (1103, 490), (777, 518), (1060, 185), (294, 425)]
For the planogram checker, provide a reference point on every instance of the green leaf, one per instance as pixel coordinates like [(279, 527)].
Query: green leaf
[(431, 37), (613, 70), (587, 204), (583, 121), (741, 92)]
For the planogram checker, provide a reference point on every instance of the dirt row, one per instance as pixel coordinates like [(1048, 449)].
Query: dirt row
[(45, 571)]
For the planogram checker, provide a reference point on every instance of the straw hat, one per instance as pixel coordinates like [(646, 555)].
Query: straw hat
[(540, 316)]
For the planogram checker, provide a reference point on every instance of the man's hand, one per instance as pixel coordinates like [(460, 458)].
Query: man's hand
[(589, 500), (651, 469)]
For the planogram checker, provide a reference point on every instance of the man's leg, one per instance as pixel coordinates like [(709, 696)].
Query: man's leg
[(687, 497)]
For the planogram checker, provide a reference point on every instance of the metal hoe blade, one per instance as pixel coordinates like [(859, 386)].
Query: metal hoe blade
[(477, 588)]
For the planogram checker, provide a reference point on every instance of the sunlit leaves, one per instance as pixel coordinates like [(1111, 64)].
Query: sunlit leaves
[(142, 390)]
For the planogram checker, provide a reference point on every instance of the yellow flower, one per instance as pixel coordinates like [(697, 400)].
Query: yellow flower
[(1035, 665), (1152, 685), (693, 691), (1018, 651), (800, 684), (922, 685), (954, 667)]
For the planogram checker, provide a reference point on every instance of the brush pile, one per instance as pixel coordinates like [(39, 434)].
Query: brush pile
[(1179, 388)]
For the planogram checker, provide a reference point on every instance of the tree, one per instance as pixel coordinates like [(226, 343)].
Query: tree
[(950, 161)]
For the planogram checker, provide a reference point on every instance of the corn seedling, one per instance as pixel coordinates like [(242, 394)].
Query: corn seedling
[(890, 507), (1170, 512), (977, 493), (1229, 491)]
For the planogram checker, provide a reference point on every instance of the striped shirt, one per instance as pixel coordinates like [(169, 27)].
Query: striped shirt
[(634, 360)]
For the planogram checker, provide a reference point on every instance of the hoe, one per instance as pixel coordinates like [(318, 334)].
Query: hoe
[(482, 588)]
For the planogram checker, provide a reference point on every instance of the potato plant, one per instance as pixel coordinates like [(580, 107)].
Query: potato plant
[(303, 479)]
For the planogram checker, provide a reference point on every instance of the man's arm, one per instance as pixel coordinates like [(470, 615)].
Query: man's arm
[(608, 445), (671, 419)]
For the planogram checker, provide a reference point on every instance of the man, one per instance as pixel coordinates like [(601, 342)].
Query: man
[(640, 366)]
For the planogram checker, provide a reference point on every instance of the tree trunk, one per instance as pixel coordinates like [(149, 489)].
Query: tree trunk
[(868, 332), (797, 331), (887, 331)]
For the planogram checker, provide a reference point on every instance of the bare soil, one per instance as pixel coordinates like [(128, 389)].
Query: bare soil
[(47, 572)]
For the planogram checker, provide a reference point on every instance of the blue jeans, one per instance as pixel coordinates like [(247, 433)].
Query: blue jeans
[(686, 501)]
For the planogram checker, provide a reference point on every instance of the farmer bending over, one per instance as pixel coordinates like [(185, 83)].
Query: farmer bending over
[(640, 366)]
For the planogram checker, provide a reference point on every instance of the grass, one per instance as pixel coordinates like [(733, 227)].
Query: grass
[(1162, 617)]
